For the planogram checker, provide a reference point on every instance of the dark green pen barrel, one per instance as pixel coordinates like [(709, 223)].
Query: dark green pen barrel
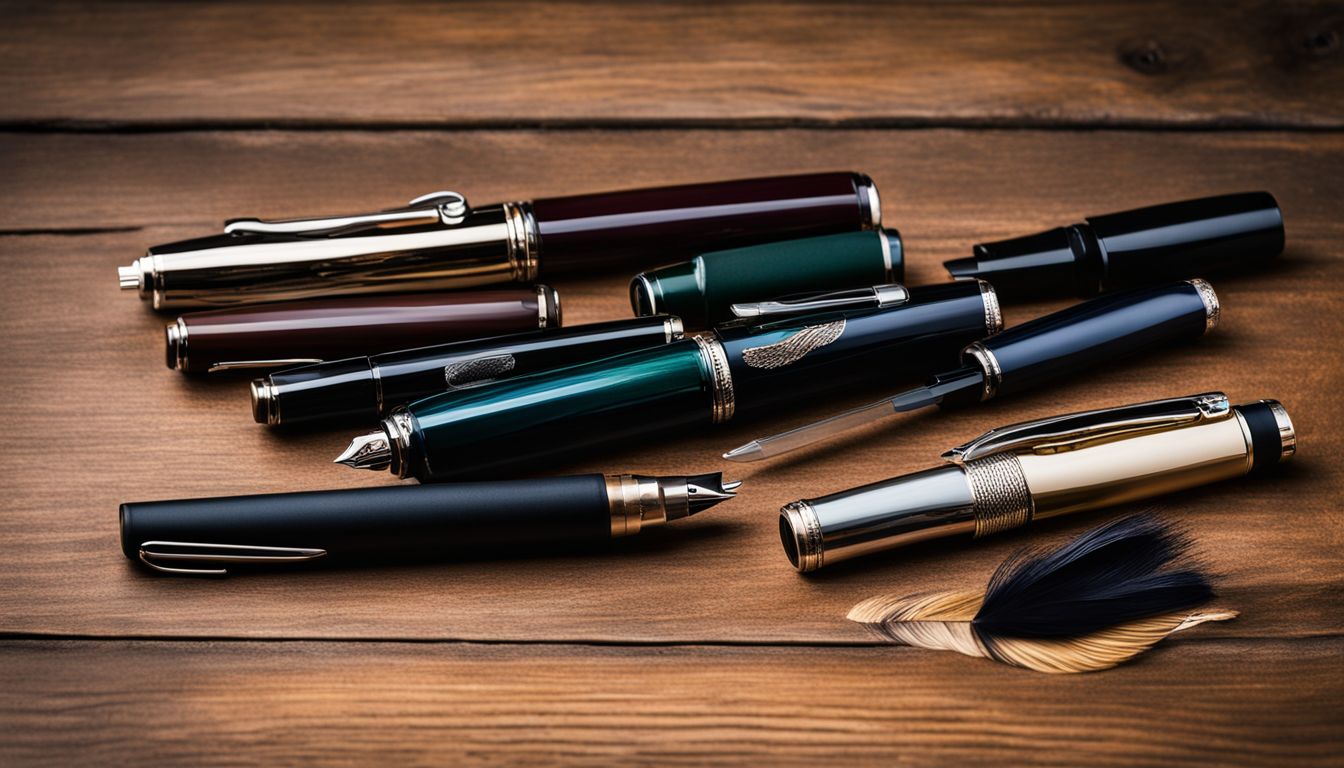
[(532, 419), (787, 360), (702, 291), (392, 522)]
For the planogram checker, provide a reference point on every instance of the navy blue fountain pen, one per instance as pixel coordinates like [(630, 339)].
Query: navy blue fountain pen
[(1070, 341)]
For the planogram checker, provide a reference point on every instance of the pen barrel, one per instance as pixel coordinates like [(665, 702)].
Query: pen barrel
[(1009, 490), (786, 360), (526, 420), (1095, 333), (491, 245), (364, 389), (376, 523), (638, 228), (293, 333), (702, 291)]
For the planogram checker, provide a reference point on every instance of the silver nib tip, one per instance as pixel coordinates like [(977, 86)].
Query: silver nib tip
[(704, 491), (749, 452), (371, 451)]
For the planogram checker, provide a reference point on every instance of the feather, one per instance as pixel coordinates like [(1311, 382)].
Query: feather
[(1095, 602)]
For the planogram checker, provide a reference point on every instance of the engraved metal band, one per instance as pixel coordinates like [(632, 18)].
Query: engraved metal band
[(524, 241), (805, 529), (989, 365), (872, 213), (1002, 500), (993, 314), (721, 384), (1212, 309)]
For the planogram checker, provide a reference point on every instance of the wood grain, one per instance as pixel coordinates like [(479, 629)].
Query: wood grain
[(1139, 62), (111, 703), (94, 419)]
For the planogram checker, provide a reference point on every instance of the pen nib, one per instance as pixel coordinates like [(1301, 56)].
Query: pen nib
[(704, 491), (371, 451), (749, 452)]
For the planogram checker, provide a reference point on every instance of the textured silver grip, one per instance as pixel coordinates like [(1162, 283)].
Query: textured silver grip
[(999, 490)]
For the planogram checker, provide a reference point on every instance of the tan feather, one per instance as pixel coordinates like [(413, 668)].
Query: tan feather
[(942, 621)]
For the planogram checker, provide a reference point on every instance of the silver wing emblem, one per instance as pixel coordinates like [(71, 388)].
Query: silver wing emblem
[(795, 347), (477, 371)]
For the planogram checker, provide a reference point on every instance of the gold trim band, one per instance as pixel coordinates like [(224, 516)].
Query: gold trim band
[(1212, 309), (721, 378)]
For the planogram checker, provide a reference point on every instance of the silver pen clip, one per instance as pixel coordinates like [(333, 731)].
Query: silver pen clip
[(446, 208), (886, 295), (242, 365), (1078, 430), (156, 553)]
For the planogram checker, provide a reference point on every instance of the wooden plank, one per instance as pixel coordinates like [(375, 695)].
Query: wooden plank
[(92, 418), (82, 703), (1137, 62)]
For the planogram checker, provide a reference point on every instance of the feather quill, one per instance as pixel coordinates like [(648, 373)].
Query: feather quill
[(1098, 601)]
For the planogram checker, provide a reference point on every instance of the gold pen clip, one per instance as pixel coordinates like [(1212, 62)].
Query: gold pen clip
[(446, 208), (1079, 430), (880, 296), (156, 553)]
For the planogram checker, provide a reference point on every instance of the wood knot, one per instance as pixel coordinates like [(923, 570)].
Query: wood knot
[(1317, 40), (1154, 57)]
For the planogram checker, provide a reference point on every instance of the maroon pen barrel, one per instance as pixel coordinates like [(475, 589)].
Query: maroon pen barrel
[(297, 332), (634, 229)]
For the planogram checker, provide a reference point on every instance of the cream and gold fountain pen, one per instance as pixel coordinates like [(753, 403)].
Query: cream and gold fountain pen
[(1014, 475)]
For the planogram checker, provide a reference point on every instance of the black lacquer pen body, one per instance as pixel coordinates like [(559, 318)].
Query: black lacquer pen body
[(1071, 341), (204, 537), (753, 365)]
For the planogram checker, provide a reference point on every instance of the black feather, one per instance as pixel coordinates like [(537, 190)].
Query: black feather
[(1130, 569)]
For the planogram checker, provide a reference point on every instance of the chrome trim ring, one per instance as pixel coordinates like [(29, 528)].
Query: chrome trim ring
[(993, 313), (1212, 309), (398, 430), (265, 404), (548, 307), (1287, 432), (524, 241), (805, 531), (721, 379), (989, 365), (872, 214), (673, 329), (891, 294), (176, 352)]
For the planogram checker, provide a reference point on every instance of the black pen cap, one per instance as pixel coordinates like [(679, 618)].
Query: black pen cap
[(1191, 238)]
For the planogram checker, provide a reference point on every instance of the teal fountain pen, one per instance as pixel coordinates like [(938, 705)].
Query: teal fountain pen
[(762, 362)]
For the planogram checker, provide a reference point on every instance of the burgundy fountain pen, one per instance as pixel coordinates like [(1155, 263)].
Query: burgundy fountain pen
[(440, 242)]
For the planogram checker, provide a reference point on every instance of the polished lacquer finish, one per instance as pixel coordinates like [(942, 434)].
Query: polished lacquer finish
[(652, 393), (702, 291), (439, 241), (277, 335), (361, 390), (648, 226), (1191, 238)]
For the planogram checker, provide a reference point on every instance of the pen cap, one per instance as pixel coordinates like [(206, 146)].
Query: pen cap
[(1191, 238), (363, 389), (702, 290), (293, 333), (1273, 437), (640, 227), (792, 357)]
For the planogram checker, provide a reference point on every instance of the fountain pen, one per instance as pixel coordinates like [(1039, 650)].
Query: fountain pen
[(440, 242), (1014, 475), (202, 537)]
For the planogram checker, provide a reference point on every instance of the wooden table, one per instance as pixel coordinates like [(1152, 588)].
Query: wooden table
[(138, 123)]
